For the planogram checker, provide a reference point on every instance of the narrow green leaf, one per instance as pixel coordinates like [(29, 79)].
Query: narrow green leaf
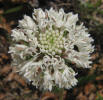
[(85, 79), (98, 3), (99, 97), (13, 10)]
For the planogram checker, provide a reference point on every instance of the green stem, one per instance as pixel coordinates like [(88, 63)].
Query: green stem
[(59, 93)]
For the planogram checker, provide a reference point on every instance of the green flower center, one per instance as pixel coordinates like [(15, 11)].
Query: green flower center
[(51, 42)]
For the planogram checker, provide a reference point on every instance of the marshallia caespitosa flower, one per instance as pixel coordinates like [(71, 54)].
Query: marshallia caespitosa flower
[(42, 45)]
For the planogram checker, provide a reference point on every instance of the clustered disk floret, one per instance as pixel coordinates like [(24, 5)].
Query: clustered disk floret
[(52, 42), (43, 45)]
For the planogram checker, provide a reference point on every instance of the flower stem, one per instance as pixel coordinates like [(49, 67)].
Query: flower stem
[(60, 96), (59, 93)]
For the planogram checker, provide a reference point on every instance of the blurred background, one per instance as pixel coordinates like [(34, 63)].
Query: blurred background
[(90, 85)]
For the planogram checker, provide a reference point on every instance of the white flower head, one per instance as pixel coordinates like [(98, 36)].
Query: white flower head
[(42, 45)]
